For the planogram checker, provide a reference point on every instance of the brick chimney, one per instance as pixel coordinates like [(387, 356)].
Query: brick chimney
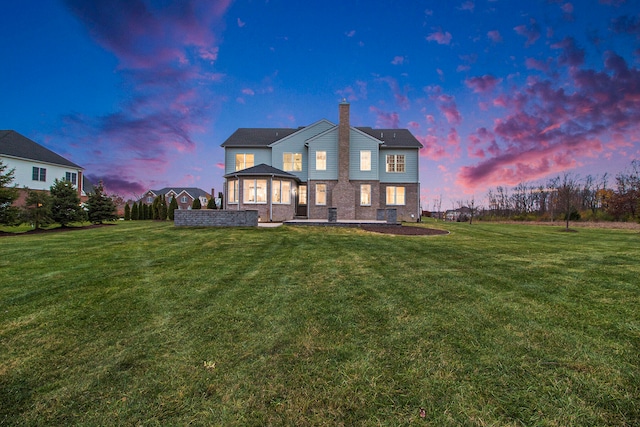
[(343, 196), (343, 141)]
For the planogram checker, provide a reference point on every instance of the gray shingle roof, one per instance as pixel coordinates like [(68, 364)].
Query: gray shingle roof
[(256, 137), (262, 170), (15, 145), (193, 191), (393, 138), (263, 137)]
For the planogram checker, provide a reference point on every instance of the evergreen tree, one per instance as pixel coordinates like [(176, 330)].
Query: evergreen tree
[(211, 204), (134, 212), (196, 203), (173, 205), (221, 197), (65, 203), (127, 212), (101, 207), (155, 211), (38, 208), (8, 194), (162, 208), (145, 211)]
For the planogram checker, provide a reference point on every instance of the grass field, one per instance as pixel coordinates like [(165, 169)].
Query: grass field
[(145, 324)]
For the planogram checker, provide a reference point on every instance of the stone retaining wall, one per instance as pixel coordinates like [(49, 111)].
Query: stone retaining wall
[(215, 218)]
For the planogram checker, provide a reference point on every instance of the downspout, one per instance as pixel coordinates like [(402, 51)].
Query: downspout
[(270, 196)]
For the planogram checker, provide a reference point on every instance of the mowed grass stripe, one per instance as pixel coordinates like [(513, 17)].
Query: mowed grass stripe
[(144, 323)]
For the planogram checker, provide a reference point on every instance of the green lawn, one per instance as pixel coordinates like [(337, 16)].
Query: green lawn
[(145, 324)]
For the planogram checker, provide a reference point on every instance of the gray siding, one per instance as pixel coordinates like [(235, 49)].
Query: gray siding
[(411, 166), (328, 142), (360, 141), (261, 155)]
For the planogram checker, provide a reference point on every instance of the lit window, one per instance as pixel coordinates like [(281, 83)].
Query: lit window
[(365, 195), (395, 195), (233, 191), (281, 192), (302, 195), (365, 160), (321, 160), (395, 163), (254, 191), (321, 194), (244, 161), (292, 162)]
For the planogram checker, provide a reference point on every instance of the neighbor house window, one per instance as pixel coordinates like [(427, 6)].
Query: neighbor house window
[(321, 160), (292, 162), (254, 191), (365, 195), (39, 174), (395, 195), (72, 177), (321, 194), (395, 162), (233, 191), (244, 161), (149, 199), (365, 160), (184, 199), (281, 192)]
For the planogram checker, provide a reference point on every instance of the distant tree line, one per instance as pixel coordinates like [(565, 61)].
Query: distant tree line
[(569, 197), (60, 205), (159, 210)]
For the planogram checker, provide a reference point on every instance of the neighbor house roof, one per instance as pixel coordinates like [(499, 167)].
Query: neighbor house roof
[(263, 137), (13, 144), (261, 170)]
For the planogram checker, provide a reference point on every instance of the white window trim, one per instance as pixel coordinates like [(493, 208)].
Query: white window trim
[(362, 192), (392, 167), (395, 196), (362, 152), (325, 195)]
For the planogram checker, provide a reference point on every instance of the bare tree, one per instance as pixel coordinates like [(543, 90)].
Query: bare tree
[(568, 195)]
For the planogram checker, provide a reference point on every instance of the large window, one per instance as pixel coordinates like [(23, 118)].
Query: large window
[(39, 174), (72, 177), (233, 190), (321, 194), (321, 160), (254, 191), (281, 192), (365, 195), (244, 161), (365, 160), (395, 162), (395, 195), (292, 162)]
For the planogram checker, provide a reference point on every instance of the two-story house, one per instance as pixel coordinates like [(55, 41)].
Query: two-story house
[(287, 173), (36, 167), (185, 196)]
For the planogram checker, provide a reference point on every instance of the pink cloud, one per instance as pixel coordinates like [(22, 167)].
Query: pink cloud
[(448, 107), (399, 94), (531, 32), (385, 119), (535, 64), (398, 60), (354, 93), (571, 54), (350, 33), (440, 37), (495, 36), (468, 6), (248, 91), (241, 23), (482, 84)]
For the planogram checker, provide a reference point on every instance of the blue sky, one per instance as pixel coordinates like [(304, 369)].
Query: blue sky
[(141, 93)]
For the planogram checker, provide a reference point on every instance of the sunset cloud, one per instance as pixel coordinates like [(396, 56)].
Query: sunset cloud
[(482, 84), (440, 37), (531, 32)]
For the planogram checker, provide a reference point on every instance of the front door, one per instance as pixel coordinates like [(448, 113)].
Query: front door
[(301, 201)]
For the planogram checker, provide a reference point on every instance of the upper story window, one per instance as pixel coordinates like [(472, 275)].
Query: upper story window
[(244, 161), (321, 160), (149, 199), (72, 177), (183, 199), (292, 162), (395, 162), (39, 174), (365, 160)]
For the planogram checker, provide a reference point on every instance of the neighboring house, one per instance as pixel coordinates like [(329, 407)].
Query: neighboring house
[(286, 173), (184, 196), (36, 167)]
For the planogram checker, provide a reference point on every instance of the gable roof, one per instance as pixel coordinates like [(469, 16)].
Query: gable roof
[(262, 170), (15, 145)]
